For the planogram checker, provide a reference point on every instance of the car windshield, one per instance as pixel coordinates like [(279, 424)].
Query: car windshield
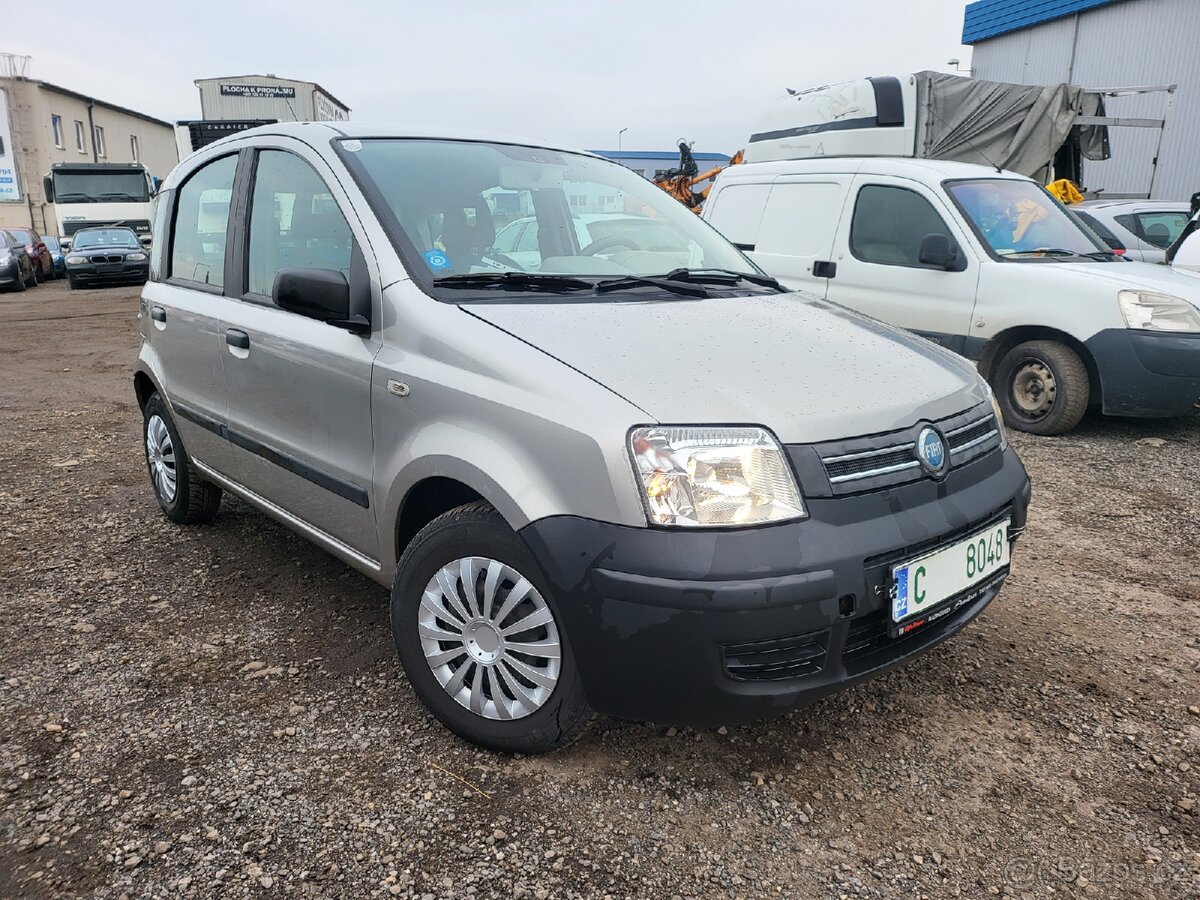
[(21, 237), (101, 187), (51, 243), (104, 237), (527, 213), (1019, 220)]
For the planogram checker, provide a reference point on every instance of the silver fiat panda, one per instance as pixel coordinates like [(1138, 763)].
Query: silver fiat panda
[(599, 458)]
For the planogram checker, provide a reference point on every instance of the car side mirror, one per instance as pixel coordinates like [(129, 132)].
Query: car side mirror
[(322, 294), (937, 250), (48, 188)]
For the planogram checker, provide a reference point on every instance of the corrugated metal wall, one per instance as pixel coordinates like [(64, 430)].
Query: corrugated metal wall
[(1139, 42)]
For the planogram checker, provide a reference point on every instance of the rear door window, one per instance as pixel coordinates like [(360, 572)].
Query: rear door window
[(201, 224), (1160, 229)]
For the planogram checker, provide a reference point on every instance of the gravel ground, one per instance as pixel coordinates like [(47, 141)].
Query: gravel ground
[(218, 710)]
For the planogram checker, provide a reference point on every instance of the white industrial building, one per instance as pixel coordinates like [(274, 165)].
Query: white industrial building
[(248, 97), (1108, 44)]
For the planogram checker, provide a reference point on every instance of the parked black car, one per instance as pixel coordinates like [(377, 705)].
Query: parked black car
[(106, 256), (16, 268)]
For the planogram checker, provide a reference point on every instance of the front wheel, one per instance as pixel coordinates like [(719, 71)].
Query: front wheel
[(1043, 387), (481, 637), (72, 284)]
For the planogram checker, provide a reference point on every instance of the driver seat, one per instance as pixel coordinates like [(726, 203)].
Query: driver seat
[(468, 231)]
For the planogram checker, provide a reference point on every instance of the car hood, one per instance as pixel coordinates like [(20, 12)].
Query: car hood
[(1141, 276), (807, 369)]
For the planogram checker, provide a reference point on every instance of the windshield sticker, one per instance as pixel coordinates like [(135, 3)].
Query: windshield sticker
[(352, 146), (437, 260)]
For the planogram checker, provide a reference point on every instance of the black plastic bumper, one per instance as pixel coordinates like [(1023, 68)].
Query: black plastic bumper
[(1147, 374), (125, 273), (708, 627)]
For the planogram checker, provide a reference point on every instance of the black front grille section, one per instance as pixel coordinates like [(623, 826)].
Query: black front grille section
[(106, 259), (775, 660), (870, 463)]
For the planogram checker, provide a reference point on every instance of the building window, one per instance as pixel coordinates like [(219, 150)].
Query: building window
[(133, 147), (56, 127), (80, 138), (98, 138)]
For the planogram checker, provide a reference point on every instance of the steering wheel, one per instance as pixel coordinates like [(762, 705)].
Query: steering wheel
[(604, 243)]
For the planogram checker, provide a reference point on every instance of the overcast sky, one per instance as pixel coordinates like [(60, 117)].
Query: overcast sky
[(556, 70)]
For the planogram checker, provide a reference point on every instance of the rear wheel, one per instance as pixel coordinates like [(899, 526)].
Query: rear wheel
[(1043, 387), (183, 496), (481, 638)]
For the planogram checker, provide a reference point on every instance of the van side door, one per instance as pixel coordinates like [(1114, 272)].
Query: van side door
[(299, 388), (883, 266)]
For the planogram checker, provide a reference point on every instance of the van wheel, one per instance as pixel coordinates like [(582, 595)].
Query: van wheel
[(183, 496), (481, 638), (1043, 387)]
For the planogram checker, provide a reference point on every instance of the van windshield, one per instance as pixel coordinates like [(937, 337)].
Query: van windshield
[(521, 214), (1020, 221)]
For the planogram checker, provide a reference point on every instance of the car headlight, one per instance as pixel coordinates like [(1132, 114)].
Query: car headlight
[(134, 257), (1158, 312), (695, 476), (76, 260), (996, 411)]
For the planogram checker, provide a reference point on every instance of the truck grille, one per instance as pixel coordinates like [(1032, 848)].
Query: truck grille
[(885, 460)]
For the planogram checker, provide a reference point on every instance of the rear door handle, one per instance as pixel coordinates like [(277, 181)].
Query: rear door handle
[(239, 339), (158, 314)]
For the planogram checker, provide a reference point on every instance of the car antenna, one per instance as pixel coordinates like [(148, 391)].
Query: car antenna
[(967, 141)]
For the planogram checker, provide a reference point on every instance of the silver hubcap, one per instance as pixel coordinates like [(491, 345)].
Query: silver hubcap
[(160, 453), (489, 638), (1034, 389)]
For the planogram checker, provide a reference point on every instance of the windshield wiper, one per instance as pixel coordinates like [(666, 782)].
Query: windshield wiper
[(723, 276), (1059, 251), (664, 282), (516, 280)]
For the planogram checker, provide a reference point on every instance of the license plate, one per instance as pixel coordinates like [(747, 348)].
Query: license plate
[(922, 586)]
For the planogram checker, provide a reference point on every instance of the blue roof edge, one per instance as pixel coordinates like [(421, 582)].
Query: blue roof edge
[(986, 19)]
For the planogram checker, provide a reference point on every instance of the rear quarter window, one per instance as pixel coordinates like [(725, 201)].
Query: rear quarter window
[(737, 212)]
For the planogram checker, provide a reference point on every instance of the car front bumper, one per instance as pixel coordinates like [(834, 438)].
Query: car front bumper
[(1147, 373), (708, 627), (124, 272)]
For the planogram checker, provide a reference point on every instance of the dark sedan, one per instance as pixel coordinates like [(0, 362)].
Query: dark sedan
[(16, 268), (106, 256), (56, 255)]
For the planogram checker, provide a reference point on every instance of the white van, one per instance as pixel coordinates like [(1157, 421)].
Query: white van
[(981, 261)]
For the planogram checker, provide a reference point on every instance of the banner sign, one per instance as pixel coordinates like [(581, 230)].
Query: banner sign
[(257, 90), (10, 186)]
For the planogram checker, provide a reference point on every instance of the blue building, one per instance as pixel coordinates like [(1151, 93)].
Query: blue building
[(1108, 44)]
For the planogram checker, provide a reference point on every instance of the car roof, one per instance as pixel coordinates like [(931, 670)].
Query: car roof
[(870, 165), (323, 132), (1166, 205)]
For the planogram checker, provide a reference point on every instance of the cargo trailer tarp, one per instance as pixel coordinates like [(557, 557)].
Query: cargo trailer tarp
[(1014, 126)]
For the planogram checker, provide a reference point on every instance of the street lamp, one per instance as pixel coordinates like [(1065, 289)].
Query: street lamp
[(619, 133)]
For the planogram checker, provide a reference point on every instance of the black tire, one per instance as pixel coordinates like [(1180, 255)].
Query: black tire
[(38, 275), (32, 280), (19, 281), (1043, 387), (72, 284), (477, 530), (194, 500)]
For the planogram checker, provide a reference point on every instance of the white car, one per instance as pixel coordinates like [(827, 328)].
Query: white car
[(1145, 227), (598, 233), (986, 263)]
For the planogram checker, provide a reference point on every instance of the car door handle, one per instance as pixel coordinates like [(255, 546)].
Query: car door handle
[(239, 339), (158, 314)]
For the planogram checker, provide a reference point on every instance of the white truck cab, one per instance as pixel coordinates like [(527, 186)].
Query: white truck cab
[(981, 261)]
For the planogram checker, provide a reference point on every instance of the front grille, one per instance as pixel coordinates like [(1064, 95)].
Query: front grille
[(774, 660), (889, 459), (106, 259)]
